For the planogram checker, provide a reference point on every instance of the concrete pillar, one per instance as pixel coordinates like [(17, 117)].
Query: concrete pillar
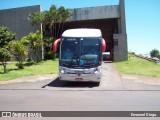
[(120, 47), (122, 18), (120, 39)]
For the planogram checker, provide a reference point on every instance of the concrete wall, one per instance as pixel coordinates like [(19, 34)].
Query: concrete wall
[(120, 48), (16, 20), (91, 13)]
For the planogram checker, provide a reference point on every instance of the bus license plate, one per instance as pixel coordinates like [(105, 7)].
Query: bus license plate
[(79, 79)]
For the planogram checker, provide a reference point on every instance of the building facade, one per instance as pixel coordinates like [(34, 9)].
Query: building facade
[(16, 20), (109, 19)]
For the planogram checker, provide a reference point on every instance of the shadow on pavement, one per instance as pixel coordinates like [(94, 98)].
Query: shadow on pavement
[(69, 84), (107, 61)]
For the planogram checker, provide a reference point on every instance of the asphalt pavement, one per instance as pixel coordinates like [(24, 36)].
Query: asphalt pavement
[(114, 93)]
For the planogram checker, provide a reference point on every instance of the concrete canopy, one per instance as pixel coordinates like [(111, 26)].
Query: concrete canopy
[(110, 20)]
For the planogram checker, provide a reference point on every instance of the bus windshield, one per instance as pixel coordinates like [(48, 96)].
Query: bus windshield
[(80, 52)]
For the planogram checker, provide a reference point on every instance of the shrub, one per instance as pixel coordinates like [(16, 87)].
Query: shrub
[(4, 57), (19, 51), (20, 65), (49, 56)]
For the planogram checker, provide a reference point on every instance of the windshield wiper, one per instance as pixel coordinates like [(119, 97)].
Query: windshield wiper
[(64, 64)]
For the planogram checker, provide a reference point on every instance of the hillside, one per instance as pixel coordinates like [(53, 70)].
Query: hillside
[(138, 66)]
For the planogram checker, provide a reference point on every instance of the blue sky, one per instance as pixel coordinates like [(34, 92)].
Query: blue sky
[(142, 18)]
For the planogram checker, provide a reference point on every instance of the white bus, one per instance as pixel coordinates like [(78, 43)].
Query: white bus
[(80, 57)]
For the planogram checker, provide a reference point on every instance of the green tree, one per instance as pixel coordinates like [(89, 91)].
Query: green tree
[(6, 36), (63, 14), (4, 57), (36, 18), (19, 51), (33, 40), (48, 52), (155, 53), (48, 41), (52, 20)]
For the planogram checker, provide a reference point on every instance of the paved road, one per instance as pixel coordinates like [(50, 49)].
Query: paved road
[(112, 94)]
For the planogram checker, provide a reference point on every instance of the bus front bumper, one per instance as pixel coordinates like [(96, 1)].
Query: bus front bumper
[(83, 77)]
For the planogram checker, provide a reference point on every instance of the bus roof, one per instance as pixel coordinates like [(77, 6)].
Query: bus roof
[(82, 32)]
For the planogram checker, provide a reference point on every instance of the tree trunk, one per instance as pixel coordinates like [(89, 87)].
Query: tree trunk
[(59, 27), (4, 65), (62, 28), (55, 32)]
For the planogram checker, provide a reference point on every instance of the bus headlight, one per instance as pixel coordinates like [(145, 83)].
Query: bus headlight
[(96, 70), (62, 70)]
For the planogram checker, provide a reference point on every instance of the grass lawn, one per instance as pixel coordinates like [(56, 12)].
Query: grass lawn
[(45, 67), (138, 66)]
